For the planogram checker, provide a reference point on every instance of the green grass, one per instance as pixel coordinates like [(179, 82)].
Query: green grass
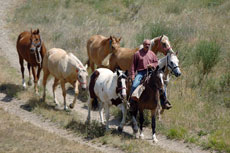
[(199, 29)]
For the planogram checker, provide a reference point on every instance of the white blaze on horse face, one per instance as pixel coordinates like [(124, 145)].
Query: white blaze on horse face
[(82, 78)]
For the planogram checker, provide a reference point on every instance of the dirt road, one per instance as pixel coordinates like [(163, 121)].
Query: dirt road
[(8, 50)]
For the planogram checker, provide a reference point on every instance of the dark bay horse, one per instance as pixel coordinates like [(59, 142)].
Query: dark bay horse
[(148, 100), (31, 48)]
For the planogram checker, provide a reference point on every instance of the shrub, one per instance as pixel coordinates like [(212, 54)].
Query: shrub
[(208, 54)]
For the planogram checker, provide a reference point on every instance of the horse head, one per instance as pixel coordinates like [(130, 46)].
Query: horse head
[(121, 89), (114, 43), (163, 44), (173, 63), (82, 76), (155, 80), (36, 41)]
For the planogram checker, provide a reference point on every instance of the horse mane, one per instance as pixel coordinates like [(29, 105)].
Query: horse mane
[(77, 61)]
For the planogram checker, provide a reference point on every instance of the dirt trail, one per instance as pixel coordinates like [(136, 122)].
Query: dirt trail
[(8, 50)]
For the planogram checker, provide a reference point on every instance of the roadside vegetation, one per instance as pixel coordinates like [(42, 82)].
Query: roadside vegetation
[(198, 29)]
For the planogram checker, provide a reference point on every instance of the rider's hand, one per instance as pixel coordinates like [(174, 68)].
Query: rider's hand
[(149, 66)]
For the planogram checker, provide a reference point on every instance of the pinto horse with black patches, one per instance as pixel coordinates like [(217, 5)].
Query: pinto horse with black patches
[(31, 48), (110, 89)]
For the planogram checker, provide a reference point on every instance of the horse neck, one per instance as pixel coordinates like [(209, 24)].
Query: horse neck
[(154, 45), (162, 62)]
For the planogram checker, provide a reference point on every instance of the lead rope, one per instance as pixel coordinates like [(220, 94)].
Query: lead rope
[(38, 59)]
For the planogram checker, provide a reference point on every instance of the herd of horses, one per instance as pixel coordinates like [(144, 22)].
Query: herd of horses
[(109, 84)]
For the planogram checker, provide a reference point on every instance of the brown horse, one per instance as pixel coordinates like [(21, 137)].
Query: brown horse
[(122, 57), (148, 100), (98, 47), (31, 48)]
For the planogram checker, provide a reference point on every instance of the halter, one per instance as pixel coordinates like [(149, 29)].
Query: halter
[(172, 68), (37, 46)]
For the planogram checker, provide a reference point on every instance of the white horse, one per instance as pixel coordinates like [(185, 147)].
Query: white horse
[(64, 67), (168, 64), (110, 89)]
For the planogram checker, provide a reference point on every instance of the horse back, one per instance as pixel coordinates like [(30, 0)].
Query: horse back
[(97, 48)]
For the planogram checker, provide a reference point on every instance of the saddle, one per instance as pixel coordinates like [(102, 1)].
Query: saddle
[(140, 88)]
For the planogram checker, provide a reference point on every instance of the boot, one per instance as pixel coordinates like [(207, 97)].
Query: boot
[(165, 104)]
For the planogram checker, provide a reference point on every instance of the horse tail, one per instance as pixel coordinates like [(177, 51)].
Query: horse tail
[(95, 104), (92, 93), (106, 60)]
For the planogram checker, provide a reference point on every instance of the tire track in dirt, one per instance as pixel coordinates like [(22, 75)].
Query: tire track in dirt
[(8, 50)]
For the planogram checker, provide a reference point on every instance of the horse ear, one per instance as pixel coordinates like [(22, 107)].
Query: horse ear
[(177, 53), (118, 73), (86, 66), (126, 73), (37, 31), (31, 31), (161, 37), (157, 68), (119, 39)]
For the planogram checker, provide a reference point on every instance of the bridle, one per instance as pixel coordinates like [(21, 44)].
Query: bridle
[(38, 47), (168, 65)]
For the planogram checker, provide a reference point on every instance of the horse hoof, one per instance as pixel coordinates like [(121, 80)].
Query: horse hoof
[(142, 136), (71, 106), (120, 129), (155, 139)]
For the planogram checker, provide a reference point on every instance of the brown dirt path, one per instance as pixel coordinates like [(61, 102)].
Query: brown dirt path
[(8, 50)]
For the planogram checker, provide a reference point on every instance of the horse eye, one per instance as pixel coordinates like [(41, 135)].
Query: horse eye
[(164, 45)]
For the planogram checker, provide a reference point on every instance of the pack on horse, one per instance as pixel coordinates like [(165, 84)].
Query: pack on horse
[(64, 67), (123, 57), (98, 47), (148, 100), (109, 88), (31, 48)]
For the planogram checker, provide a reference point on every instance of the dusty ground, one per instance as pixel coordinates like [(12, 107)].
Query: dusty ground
[(8, 50)]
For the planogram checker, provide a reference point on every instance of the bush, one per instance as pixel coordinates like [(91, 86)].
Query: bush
[(208, 54)]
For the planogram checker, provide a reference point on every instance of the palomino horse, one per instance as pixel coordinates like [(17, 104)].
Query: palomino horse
[(123, 57), (64, 68), (110, 89), (98, 47), (31, 48), (148, 100)]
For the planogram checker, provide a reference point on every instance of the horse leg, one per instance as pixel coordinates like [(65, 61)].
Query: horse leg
[(89, 110), (134, 125), (38, 72), (153, 115), (35, 79), (45, 77), (91, 64), (107, 116), (64, 93), (56, 82), (75, 96), (141, 120), (21, 61), (124, 114), (30, 79), (101, 112)]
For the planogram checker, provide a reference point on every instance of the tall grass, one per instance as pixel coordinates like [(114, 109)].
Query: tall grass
[(200, 107)]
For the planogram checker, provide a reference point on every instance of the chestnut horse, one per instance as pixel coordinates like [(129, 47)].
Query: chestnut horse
[(31, 48), (148, 100), (98, 47), (123, 57)]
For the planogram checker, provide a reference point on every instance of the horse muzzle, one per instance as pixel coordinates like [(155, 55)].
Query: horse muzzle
[(177, 72), (32, 50)]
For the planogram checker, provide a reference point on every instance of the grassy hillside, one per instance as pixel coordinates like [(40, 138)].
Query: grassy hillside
[(199, 29)]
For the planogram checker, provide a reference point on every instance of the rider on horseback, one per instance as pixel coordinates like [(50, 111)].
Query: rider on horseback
[(142, 61)]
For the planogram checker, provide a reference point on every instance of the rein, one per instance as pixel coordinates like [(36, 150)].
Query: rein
[(172, 68)]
